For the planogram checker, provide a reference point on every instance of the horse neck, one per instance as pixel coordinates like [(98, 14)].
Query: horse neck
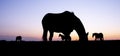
[(94, 34), (61, 35)]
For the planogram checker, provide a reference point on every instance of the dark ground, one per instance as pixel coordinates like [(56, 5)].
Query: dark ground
[(57, 48)]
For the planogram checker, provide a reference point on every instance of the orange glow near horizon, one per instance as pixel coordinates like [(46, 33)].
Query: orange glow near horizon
[(34, 33), (74, 36)]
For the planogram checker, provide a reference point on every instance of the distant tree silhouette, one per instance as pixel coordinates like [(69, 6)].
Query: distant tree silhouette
[(18, 38), (65, 38), (98, 36), (52, 22)]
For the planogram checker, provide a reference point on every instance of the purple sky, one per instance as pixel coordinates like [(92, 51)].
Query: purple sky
[(23, 17)]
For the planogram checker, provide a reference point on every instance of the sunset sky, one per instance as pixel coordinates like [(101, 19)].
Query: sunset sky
[(23, 17)]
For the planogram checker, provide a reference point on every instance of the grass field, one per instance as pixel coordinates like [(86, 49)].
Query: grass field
[(108, 47)]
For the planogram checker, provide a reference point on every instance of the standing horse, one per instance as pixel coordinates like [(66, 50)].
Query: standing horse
[(98, 36)]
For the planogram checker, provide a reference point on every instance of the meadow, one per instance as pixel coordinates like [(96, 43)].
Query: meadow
[(107, 47)]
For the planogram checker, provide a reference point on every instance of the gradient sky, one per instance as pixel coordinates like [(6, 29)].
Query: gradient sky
[(23, 17)]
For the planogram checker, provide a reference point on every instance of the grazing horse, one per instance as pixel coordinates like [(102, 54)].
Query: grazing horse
[(98, 36), (65, 38), (52, 22), (68, 38), (18, 38)]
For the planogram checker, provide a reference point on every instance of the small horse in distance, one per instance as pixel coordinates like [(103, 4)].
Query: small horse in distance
[(65, 38), (98, 36), (18, 38), (68, 38)]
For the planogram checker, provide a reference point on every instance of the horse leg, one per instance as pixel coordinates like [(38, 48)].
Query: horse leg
[(44, 37), (51, 36), (95, 39), (67, 37), (101, 39)]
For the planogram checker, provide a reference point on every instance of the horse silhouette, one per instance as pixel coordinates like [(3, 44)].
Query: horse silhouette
[(64, 38), (98, 36), (52, 22), (18, 38)]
